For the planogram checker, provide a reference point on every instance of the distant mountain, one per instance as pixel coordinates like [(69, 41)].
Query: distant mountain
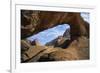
[(67, 33), (60, 41)]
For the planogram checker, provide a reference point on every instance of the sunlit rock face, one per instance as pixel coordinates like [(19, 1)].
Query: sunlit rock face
[(61, 39), (72, 44)]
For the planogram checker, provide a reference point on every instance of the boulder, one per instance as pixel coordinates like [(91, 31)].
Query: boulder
[(60, 41), (32, 54), (77, 50), (25, 45), (36, 43)]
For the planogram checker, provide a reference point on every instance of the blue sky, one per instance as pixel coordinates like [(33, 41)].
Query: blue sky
[(49, 34), (85, 16), (52, 33)]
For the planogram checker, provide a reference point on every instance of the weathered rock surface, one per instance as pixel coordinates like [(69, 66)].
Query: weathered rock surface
[(35, 21), (60, 49), (81, 45), (34, 53), (25, 45), (61, 41), (78, 50)]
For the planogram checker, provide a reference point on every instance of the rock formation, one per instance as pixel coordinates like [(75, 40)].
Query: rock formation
[(75, 48), (48, 19), (35, 43), (60, 41)]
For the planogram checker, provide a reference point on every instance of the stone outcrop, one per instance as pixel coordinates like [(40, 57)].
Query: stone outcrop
[(60, 49), (36, 43), (77, 50), (33, 22), (61, 41)]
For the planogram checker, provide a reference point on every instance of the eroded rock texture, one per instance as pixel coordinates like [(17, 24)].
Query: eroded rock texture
[(35, 21), (75, 48)]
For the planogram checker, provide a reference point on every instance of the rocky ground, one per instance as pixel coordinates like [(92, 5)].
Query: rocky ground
[(77, 50)]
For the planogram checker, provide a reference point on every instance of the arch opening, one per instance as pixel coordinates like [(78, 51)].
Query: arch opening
[(52, 36)]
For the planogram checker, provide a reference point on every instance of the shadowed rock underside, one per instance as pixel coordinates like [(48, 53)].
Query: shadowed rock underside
[(75, 48)]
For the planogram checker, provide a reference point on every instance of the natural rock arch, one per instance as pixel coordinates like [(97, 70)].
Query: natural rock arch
[(33, 22), (48, 19)]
